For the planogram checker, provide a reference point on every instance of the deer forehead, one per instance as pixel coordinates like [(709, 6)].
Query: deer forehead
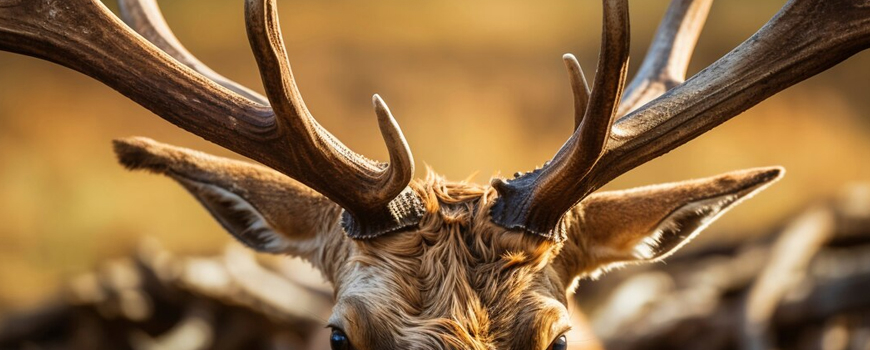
[(457, 281)]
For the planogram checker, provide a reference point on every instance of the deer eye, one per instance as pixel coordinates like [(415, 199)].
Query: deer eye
[(561, 343), (338, 340)]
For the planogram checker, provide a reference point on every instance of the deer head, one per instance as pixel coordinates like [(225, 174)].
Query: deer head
[(428, 264)]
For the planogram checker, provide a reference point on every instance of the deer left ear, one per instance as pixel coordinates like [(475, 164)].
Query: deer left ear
[(650, 223), (260, 207)]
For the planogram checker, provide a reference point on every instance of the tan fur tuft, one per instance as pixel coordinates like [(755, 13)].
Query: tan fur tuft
[(457, 282), (137, 153)]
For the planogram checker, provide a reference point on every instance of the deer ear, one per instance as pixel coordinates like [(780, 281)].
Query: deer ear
[(260, 207), (649, 223), (238, 216)]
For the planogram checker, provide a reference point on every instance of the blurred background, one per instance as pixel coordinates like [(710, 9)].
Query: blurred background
[(477, 86)]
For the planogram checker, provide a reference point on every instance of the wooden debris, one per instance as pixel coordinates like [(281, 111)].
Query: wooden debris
[(806, 286), (157, 301)]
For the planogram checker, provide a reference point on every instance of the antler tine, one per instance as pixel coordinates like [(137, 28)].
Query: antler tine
[(607, 90), (401, 161), (357, 184), (806, 37), (84, 35), (145, 17), (578, 86), (668, 57), (556, 183), (803, 39)]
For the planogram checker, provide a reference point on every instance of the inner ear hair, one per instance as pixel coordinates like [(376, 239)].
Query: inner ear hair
[(239, 217), (681, 225)]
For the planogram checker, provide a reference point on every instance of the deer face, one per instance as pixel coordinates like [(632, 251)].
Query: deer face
[(433, 264), (456, 280)]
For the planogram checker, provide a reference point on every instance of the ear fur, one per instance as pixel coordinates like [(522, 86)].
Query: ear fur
[(260, 207), (650, 223)]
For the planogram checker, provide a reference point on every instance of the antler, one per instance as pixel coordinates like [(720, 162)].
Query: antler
[(805, 38), (667, 60), (145, 18), (579, 155), (84, 35)]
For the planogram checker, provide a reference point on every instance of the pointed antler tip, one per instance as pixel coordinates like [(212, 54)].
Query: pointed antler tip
[(573, 66), (378, 102), (390, 127), (381, 108)]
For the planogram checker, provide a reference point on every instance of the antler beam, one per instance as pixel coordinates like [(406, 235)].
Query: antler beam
[(84, 35), (145, 17), (805, 38)]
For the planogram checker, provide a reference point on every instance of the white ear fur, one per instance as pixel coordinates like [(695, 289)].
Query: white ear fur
[(683, 225), (239, 217), (650, 223)]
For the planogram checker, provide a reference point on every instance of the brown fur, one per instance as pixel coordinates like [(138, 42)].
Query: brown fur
[(458, 282)]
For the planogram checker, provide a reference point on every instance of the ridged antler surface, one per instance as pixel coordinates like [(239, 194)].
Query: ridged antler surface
[(85, 36), (803, 39)]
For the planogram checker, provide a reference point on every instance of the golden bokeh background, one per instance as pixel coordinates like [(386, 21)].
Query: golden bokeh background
[(477, 86)]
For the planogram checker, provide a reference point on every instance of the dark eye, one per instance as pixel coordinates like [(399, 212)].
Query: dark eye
[(561, 343), (338, 340)]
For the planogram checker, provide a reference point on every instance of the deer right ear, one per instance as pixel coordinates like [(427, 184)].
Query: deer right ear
[(649, 223), (260, 207)]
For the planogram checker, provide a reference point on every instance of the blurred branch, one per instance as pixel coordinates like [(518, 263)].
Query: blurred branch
[(806, 284), (157, 301), (790, 256)]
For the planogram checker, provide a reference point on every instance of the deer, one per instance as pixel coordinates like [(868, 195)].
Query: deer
[(430, 263)]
